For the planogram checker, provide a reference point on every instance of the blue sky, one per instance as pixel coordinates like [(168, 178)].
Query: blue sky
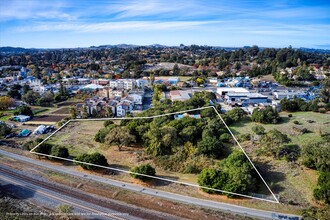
[(83, 23)]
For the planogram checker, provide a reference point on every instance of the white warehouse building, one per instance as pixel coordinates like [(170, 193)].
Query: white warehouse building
[(245, 98), (225, 90)]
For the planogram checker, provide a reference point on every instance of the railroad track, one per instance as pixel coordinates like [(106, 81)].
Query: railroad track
[(71, 192)]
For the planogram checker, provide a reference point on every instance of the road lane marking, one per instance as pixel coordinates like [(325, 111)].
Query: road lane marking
[(62, 199)]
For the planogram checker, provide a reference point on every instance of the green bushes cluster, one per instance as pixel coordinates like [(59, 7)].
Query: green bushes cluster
[(267, 115), (233, 174), (94, 158), (53, 150), (145, 169)]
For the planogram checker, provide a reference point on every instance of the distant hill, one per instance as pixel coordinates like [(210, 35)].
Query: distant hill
[(124, 46), (17, 50), (312, 50)]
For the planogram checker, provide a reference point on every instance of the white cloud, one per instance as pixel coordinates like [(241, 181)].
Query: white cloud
[(33, 9), (114, 26)]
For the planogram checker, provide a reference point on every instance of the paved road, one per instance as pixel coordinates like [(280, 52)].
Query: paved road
[(167, 195), (47, 198)]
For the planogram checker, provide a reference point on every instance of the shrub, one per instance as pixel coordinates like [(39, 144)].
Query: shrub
[(191, 169), (296, 122), (290, 152), (322, 191), (327, 106), (94, 158), (258, 129), (107, 123), (4, 129), (245, 137), (290, 115), (59, 151), (145, 169), (322, 111)]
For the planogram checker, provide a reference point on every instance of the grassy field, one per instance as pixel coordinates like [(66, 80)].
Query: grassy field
[(6, 115), (293, 182), (320, 125)]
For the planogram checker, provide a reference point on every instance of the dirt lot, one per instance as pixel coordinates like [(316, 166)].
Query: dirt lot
[(67, 103), (48, 118), (62, 111)]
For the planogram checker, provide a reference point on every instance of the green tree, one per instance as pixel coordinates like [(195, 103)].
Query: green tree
[(24, 110), (159, 142), (316, 155), (199, 81), (210, 146), (109, 112), (325, 91), (145, 169), (46, 99), (176, 70), (73, 112), (5, 102), (266, 115), (84, 113), (322, 191), (102, 133), (213, 179), (241, 175), (4, 130), (119, 136), (44, 148), (236, 114), (14, 91), (31, 97)]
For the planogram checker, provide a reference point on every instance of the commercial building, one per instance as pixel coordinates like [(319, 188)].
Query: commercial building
[(224, 90), (288, 95), (245, 98)]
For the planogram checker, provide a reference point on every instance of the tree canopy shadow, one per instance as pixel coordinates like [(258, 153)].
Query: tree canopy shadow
[(272, 177), (16, 191)]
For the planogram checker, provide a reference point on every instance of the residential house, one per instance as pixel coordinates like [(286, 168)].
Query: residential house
[(180, 95), (137, 96)]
